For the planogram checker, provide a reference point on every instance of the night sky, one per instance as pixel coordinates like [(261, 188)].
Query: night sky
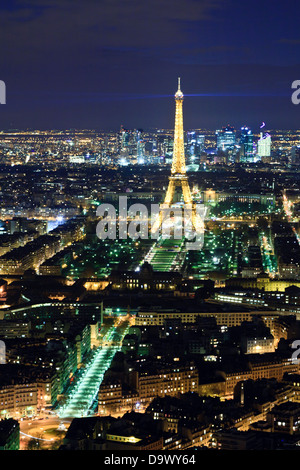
[(97, 64)]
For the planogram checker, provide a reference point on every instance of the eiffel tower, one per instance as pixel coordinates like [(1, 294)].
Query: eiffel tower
[(178, 176)]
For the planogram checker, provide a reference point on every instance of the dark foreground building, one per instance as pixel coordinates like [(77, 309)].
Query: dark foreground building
[(9, 434)]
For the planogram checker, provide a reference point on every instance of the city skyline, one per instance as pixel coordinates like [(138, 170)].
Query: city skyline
[(149, 228)]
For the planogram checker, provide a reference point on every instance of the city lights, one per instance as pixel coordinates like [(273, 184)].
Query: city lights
[(149, 229)]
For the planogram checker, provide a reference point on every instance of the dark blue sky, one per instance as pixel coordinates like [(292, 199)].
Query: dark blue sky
[(102, 63)]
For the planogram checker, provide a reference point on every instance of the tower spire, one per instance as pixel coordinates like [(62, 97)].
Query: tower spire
[(179, 94)]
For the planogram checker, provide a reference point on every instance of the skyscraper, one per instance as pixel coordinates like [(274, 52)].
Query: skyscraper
[(246, 144), (194, 147), (226, 138), (264, 145)]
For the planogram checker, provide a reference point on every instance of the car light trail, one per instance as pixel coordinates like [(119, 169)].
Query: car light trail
[(38, 438)]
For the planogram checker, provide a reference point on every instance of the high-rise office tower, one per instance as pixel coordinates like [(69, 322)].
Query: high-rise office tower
[(246, 144), (191, 147), (194, 147), (200, 142), (226, 138), (264, 145), (140, 146)]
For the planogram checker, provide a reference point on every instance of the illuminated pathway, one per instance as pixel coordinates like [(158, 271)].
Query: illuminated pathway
[(269, 259), (287, 206), (166, 255), (85, 393)]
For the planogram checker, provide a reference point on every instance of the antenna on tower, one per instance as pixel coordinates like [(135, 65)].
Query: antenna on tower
[(178, 83)]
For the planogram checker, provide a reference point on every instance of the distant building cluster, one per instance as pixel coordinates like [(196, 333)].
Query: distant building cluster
[(142, 147)]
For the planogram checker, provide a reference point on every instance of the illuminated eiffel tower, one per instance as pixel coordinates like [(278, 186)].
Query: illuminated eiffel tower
[(178, 174)]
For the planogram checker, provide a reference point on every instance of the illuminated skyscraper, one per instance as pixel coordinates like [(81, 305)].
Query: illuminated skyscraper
[(264, 145), (194, 147), (246, 144), (225, 138)]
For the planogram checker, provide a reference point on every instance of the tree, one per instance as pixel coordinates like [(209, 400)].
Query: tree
[(34, 444)]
